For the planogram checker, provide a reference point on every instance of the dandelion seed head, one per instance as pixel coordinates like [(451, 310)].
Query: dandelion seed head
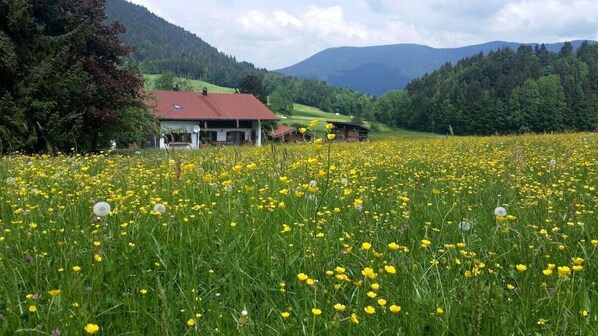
[(101, 209), (500, 211), (160, 208), (465, 225)]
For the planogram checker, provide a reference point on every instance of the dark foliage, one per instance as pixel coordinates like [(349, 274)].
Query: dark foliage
[(63, 85), (253, 84)]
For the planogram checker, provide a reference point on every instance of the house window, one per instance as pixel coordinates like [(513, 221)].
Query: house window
[(177, 137), (177, 106), (207, 137)]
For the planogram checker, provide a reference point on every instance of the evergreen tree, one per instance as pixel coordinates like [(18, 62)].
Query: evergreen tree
[(253, 84)]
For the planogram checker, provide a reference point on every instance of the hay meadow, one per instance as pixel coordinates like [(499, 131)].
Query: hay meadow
[(438, 236)]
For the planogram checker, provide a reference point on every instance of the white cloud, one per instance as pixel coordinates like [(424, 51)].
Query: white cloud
[(329, 24), (286, 19), (544, 18)]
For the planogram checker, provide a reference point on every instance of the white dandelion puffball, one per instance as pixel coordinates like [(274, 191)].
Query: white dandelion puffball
[(11, 181), (160, 208), (465, 225), (500, 211), (552, 163), (313, 183), (101, 209), (344, 181)]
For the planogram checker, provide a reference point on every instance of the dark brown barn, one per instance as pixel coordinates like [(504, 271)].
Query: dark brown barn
[(349, 132)]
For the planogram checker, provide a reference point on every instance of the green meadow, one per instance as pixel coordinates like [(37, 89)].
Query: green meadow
[(402, 236)]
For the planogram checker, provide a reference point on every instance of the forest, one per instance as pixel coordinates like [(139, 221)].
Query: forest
[(507, 91)]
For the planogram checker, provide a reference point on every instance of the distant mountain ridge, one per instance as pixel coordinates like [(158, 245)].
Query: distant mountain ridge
[(378, 69)]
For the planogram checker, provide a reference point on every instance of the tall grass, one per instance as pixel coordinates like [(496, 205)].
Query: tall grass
[(388, 237)]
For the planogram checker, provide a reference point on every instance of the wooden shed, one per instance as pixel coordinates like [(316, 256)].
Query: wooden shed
[(349, 132), (286, 133)]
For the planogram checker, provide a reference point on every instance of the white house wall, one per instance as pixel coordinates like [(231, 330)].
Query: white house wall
[(220, 132)]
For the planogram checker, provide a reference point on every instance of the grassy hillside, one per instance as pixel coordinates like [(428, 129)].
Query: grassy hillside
[(197, 85), (303, 114)]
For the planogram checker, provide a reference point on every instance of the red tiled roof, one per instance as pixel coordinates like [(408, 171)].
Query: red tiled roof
[(213, 106), (282, 129)]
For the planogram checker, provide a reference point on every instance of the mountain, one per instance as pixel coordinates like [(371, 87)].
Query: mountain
[(378, 69), (162, 46)]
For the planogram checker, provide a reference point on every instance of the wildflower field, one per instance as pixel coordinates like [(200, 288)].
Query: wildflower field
[(443, 236)]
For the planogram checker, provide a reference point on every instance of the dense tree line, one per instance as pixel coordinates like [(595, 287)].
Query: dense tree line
[(528, 90), (162, 46), (319, 94), (62, 82)]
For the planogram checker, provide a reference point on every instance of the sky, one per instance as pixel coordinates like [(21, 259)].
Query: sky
[(274, 34)]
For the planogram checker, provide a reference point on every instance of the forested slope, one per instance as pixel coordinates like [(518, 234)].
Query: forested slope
[(507, 91), (162, 46)]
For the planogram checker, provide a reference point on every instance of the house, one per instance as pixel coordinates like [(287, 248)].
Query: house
[(190, 119), (349, 132), (286, 133)]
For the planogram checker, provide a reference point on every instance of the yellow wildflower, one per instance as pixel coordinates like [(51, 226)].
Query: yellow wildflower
[(91, 328)]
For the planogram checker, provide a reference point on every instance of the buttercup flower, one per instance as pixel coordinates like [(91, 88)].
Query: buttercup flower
[(54, 292), (91, 328), (339, 307)]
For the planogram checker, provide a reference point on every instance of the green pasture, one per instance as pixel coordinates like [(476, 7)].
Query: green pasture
[(487, 236)]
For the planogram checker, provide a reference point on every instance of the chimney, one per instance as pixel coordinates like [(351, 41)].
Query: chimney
[(204, 91)]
